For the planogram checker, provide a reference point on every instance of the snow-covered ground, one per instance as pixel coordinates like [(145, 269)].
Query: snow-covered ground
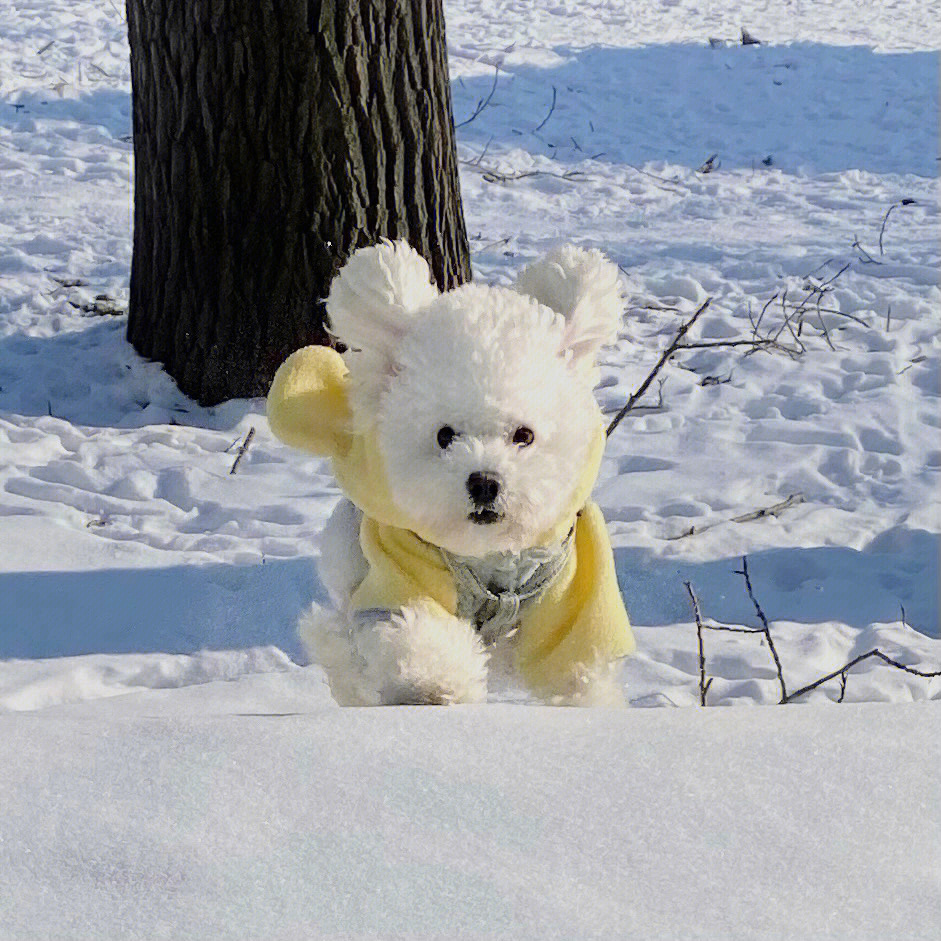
[(592, 824), (138, 578)]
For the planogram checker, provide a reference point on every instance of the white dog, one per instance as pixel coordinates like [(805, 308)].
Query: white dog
[(465, 435)]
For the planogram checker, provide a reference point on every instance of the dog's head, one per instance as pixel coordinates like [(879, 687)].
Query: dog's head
[(480, 398)]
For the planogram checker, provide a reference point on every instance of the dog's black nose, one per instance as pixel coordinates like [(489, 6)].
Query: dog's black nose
[(483, 488)]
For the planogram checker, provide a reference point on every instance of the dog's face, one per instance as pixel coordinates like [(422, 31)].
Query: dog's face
[(485, 424), (481, 397)]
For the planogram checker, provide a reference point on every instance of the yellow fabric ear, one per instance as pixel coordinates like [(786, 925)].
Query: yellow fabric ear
[(308, 407)]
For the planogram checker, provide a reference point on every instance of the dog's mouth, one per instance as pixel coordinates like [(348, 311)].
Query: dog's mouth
[(484, 516)]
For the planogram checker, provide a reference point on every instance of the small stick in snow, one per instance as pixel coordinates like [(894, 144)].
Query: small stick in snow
[(885, 219), (875, 652), (864, 256), (795, 499), (766, 630), (757, 323), (786, 697), (715, 380), (703, 686), (710, 344), (823, 326), (483, 102), (243, 449), (542, 123), (667, 353), (709, 165), (671, 185), (476, 161), (829, 281)]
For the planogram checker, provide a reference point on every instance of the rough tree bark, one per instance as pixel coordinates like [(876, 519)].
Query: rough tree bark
[(271, 138)]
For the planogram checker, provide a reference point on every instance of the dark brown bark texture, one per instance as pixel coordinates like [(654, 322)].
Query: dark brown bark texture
[(271, 139)]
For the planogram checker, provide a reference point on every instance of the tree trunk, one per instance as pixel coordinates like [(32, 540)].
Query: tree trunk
[(271, 139)]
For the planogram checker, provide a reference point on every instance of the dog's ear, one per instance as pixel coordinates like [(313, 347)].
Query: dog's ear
[(583, 286), (374, 296)]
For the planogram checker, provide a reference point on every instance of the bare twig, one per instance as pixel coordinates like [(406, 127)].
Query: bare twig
[(476, 162), (242, 449), (875, 652), (885, 219), (709, 164), (542, 123), (669, 185), (787, 323), (795, 499), (830, 281), (667, 353), (864, 256), (703, 688), (493, 244), (715, 380), (842, 686), (756, 324), (711, 344), (483, 102), (838, 313), (766, 630), (823, 326), (492, 175)]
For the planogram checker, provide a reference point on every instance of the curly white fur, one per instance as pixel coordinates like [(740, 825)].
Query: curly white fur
[(415, 656), (583, 286), (372, 302)]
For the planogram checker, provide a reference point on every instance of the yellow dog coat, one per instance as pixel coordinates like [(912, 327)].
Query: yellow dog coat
[(578, 620)]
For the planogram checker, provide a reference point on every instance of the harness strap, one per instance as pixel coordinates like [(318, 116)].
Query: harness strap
[(494, 611)]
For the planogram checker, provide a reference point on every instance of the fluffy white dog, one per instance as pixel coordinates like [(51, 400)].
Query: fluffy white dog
[(465, 435)]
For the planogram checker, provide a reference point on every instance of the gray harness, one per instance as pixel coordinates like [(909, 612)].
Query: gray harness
[(493, 590)]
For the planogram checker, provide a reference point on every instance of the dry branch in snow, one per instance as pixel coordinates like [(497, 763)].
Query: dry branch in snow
[(243, 449), (667, 353), (752, 343), (483, 102), (885, 219), (765, 630)]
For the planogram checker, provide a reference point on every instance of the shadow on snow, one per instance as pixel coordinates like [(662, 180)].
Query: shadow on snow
[(811, 107), (813, 585), (178, 609)]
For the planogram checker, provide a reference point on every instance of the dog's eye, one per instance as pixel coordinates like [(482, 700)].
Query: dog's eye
[(523, 436), (445, 436)]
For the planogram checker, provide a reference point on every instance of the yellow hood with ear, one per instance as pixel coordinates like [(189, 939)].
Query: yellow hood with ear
[(579, 621)]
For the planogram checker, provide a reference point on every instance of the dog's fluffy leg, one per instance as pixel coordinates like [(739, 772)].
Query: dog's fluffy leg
[(416, 655), (327, 637), (592, 684)]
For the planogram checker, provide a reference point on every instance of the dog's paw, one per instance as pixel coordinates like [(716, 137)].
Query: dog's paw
[(423, 656), (418, 655)]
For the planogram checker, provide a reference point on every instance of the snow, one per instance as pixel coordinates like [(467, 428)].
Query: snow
[(411, 823), (147, 650)]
